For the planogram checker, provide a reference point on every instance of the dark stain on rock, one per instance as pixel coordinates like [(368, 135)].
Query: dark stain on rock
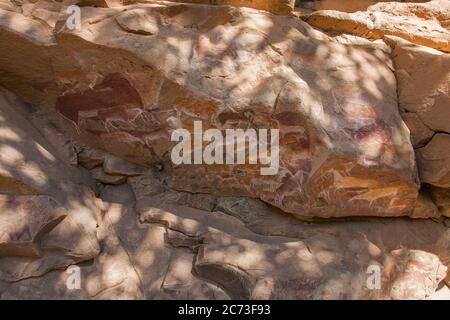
[(114, 91), (295, 140), (289, 118), (231, 116)]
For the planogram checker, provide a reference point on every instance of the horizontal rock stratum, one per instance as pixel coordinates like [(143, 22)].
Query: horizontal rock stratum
[(421, 23), (281, 7), (88, 184), (344, 149)]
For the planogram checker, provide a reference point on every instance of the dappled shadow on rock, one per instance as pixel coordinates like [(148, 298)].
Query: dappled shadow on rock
[(256, 252), (49, 220), (344, 149), (421, 23), (188, 232)]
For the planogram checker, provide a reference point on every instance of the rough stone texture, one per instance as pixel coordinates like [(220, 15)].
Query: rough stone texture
[(117, 166), (110, 276), (274, 271), (423, 76), (101, 176), (180, 283), (309, 261), (43, 11), (425, 206), (28, 41), (419, 274), (434, 161), (136, 262), (256, 251), (164, 271), (134, 73), (420, 133), (343, 5), (421, 23), (7, 5), (441, 197), (90, 158), (423, 73), (101, 3), (273, 256), (367, 168), (281, 7), (23, 220), (62, 145), (49, 212)]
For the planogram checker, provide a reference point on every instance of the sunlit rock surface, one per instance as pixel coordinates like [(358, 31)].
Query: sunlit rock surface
[(342, 5), (265, 254), (86, 180), (423, 76), (48, 209), (281, 7), (421, 23), (344, 149)]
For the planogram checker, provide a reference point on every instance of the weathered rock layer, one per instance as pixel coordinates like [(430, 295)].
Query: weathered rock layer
[(344, 149), (87, 183)]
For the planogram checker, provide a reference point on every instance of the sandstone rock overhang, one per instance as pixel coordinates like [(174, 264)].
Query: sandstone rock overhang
[(280, 7), (344, 149), (421, 23)]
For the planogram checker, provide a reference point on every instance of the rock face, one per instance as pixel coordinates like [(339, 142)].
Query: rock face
[(88, 185), (441, 197), (343, 5), (434, 161), (423, 76), (22, 219), (48, 212), (344, 149), (421, 23), (281, 7), (422, 72), (273, 256), (420, 133)]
